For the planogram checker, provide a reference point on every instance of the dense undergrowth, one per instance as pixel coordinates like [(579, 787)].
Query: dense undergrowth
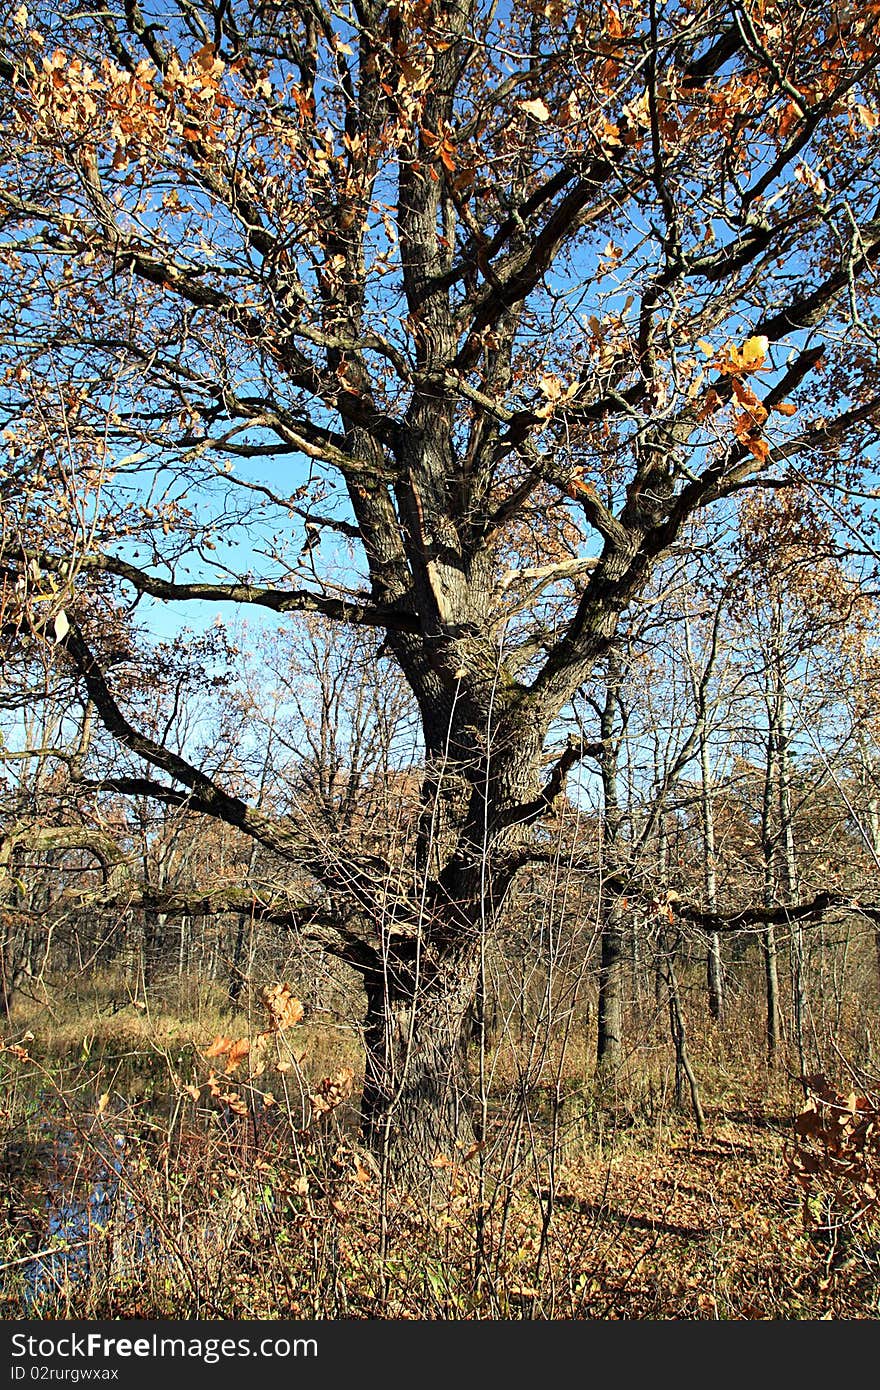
[(150, 1171)]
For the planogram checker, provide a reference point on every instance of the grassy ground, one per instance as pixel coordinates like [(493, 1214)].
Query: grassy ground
[(166, 1184)]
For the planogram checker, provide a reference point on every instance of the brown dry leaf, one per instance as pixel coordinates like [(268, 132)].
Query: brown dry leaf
[(760, 448), (204, 56), (362, 1175), (259, 1050), (237, 1053), (332, 1091), (284, 1010), (233, 1049), (746, 396)]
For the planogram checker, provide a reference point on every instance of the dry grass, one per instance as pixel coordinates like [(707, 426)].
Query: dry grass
[(582, 1204)]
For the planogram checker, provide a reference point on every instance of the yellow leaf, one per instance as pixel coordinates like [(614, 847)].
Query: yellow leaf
[(705, 347), (103, 1102), (754, 351)]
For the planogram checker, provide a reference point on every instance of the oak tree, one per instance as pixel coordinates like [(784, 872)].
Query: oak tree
[(499, 297)]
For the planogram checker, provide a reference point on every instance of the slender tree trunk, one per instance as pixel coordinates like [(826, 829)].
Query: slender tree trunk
[(183, 947), (782, 854), (768, 942), (609, 1041), (236, 974), (874, 823), (662, 885), (771, 985), (790, 876), (12, 942), (609, 1047), (683, 1067), (714, 969)]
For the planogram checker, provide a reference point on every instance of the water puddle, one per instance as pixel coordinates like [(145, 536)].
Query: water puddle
[(91, 1224)]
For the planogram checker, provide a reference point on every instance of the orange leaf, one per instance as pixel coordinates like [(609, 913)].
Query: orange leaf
[(579, 487), (204, 56), (744, 394), (237, 1053), (760, 448)]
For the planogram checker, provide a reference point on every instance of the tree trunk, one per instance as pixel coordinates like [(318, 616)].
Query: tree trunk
[(771, 980), (609, 1044), (678, 1033), (874, 827), (609, 1041), (416, 1106), (714, 969), (792, 891), (768, 941), (236, 974), (714, 976)]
